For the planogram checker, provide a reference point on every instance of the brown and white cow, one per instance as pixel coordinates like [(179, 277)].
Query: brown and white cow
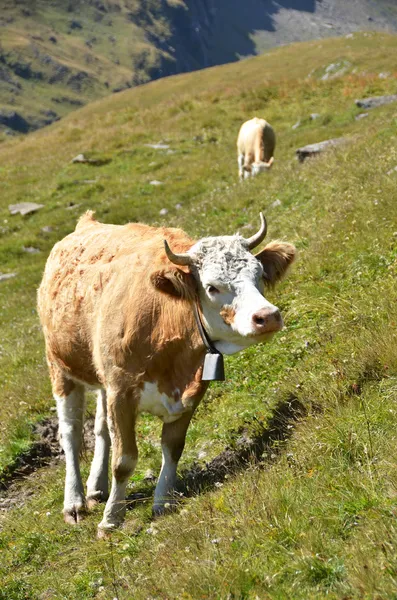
[(255, 147), (116, 305)]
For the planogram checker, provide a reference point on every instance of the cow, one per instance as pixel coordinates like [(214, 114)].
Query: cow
[(119, 306), (255, 147)]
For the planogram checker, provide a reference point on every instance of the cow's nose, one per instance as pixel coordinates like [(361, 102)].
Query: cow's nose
[(267, 320)]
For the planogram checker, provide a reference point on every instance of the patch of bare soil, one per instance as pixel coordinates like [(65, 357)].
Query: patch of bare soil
[(44, 451)]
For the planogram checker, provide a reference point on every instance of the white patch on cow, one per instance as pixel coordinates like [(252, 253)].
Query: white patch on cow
[(70, 415), (97, 483), (160, 405), (166, 480), (240, 162), (247, 304)]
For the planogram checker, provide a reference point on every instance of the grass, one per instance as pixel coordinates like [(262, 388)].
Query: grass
[(315, 516)]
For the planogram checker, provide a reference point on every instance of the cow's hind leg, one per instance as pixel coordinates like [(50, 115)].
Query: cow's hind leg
[(121, 421), (98, 481), (69, 398), (172, 444)]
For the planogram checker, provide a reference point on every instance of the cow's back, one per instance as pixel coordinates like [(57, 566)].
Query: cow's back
[(95, 280), (256, 134)]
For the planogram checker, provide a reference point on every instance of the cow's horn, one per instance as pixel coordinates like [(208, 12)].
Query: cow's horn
[(182, 259), (256, 239)]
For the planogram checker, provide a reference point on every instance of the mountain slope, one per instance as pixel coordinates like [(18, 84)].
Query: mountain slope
[(56, 56)]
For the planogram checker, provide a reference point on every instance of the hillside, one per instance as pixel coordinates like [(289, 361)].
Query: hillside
[(56, 56), (289, 473)]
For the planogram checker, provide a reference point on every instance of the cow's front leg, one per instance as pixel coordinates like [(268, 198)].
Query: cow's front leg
[(240, 162), (69, 397), (121, 421), (98, 481), (172, 444)]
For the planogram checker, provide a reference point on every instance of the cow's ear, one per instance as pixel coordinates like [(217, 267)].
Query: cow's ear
[(175, 282), (276, 257)]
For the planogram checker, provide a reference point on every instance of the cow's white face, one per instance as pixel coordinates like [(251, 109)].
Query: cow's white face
[(231, 285)]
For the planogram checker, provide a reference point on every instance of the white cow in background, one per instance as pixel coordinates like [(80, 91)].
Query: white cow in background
[(255, 147)]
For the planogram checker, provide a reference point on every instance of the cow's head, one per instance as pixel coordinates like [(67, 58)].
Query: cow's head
[(259, 166), (230, 282)]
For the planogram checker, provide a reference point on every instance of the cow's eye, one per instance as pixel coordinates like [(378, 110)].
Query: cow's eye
[(212, 289)]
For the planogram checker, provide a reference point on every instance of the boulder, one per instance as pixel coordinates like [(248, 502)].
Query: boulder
[(313, 149), (376, 101), (24, 208)]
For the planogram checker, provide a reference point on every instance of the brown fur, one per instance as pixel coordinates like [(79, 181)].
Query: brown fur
[(276, 257), (228, 313), (115, 312)]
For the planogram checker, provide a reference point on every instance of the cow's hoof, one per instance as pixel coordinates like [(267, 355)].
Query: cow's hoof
[(75, 514), (159, 510), (106, 529), (94, 498)]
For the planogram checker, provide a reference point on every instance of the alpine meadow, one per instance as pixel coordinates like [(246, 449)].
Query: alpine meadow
[(288, 481)]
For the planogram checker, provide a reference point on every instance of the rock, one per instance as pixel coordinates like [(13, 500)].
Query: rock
[(335, 70), (24, 208), (5, 276), (314, 116), (383, 75), (296, 125), (81, 158), (155, 182), (47, 229), (313, 149), (178, 206), (376, 101), (31, 250), (393, 170), (158, 146), (361, 116), (276, 203), (163, 212)]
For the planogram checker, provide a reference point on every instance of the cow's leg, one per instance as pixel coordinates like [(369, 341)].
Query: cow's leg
[(121, 422), (98, 481), (172, 444), (69, 397), (240, 162)]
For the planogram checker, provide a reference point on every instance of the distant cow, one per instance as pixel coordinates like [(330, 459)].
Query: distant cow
[(255, 147), (117, 308)]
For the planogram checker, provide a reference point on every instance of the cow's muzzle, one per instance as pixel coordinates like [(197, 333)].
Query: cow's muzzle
[(267, 320)]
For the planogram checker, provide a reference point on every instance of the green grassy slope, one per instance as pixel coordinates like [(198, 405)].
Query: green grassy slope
[(316, 518)]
